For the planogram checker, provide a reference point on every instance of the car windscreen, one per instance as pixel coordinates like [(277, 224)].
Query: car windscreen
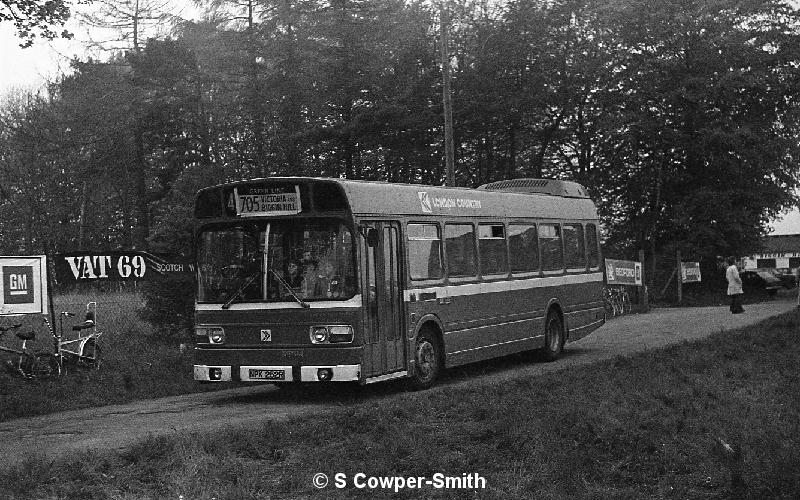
[(768, 277)]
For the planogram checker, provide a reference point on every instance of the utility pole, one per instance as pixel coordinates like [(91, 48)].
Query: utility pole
[(679, 272), (446, 97)]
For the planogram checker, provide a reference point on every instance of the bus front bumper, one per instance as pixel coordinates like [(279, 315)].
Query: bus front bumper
[(278, 374)]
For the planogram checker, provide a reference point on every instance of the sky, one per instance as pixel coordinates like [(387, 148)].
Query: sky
[(31, 68)]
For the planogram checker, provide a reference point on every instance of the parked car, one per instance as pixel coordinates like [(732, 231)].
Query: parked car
[(760, 281), (786, 277)]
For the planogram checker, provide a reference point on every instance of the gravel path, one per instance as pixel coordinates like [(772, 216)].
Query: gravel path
[(116, 427)]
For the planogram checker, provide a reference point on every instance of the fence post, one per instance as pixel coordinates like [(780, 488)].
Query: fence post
[(49, 263), (644, 300), (679, 271)]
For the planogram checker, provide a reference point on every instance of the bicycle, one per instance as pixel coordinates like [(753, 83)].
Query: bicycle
[(625, 301), (82, 351), (616, 301), (41, 365)]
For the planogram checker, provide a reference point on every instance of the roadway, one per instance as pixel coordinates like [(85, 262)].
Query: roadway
[(119, 426)]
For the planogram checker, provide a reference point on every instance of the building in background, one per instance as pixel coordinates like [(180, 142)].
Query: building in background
[(780, 252)]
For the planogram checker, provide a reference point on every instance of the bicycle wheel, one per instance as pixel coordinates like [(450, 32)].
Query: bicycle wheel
[(608, 304), (626, 303), (46, 366), (25, 365), (617, 305), (92, 355)]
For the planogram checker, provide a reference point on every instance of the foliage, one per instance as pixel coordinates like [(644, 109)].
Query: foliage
[(133, 21), (681, 118), (34, 18)]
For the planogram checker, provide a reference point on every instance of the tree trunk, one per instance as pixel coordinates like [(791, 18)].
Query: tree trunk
[(141, 217)]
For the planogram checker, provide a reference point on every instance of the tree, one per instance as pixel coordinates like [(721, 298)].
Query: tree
[(700, 144), (682, 117), (33, 18), (127, 23)]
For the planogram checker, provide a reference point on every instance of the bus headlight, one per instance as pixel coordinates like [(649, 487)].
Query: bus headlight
[(331, 334), (213, 334), (319, 334)]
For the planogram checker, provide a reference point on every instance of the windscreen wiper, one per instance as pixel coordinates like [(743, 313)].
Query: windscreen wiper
[(289, 289), (247, 282)]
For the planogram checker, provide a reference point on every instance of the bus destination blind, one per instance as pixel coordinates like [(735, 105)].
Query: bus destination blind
[(265, 201)]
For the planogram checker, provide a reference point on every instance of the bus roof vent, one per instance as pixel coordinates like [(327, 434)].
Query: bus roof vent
[(544, 186)]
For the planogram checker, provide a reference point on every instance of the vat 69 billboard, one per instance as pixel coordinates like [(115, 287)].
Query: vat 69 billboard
[(23, 285)]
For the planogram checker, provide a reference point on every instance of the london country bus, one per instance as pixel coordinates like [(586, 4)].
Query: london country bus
[(320, 280)]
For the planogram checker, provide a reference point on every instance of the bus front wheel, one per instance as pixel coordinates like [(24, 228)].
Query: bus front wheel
[(427, 360), (553, 337)]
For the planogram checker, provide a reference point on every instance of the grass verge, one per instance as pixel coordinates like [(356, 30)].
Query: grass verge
[(643, 426), (136, 363)]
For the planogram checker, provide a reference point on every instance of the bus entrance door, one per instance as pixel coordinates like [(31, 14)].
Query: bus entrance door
[(384, 340)]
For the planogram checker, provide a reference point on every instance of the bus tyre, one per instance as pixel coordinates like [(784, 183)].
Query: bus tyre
[(553, 337), (427, 360)]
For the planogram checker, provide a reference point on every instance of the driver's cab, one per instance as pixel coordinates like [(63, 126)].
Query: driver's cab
[(275, 261)]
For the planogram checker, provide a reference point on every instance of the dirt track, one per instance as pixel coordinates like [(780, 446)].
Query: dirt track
[(118, 426)]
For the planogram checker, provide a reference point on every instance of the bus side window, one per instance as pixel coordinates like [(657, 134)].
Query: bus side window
[(523, 248), (424, 251), (492, 248), (550, 242), (591, 245), (460, 250), (574, 247)]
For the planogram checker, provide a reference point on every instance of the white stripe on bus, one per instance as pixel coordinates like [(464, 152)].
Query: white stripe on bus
[(453, 290), (504, 286), (454, 353)]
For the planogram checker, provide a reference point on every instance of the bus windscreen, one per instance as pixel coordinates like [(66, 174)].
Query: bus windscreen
[(275, 262)]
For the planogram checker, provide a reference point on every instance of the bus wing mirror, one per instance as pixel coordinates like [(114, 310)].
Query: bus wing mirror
[(371, 235)]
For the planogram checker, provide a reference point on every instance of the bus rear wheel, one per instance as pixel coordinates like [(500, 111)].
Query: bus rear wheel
[(427, 360), (553, 337)]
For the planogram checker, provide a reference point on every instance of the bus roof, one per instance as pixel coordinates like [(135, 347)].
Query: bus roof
[(384, 198)]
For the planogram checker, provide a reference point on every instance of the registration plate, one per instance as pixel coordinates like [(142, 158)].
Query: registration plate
[(260, 374)]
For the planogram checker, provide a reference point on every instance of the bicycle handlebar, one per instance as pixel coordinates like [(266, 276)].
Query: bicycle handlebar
[(89, 322)]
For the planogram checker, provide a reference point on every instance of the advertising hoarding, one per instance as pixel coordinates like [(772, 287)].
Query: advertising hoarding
[(690, 272), (116, 266), (623, 272), (23, 285)]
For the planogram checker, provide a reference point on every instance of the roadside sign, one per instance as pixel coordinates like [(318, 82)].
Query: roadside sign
[(116, 266), (623, 272), (23, 285), (690, 272)]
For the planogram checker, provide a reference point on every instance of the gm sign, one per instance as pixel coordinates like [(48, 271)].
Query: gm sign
[(23, 281), (18, 284)]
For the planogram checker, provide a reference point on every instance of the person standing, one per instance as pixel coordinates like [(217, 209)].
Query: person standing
[(797, 282), (735, 291)]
